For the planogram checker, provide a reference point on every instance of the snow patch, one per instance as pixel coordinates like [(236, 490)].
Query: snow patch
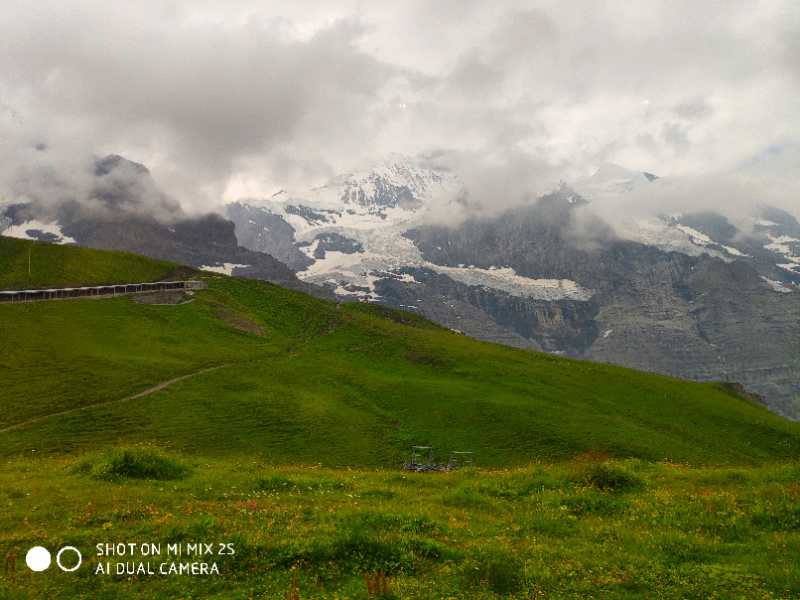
[(777, 286), (52, 228), (781, 244), (734, 251), (668, 237), (223, 269), (789, 248), (696, 237), (507, 280), (407, 278), (333, 263)]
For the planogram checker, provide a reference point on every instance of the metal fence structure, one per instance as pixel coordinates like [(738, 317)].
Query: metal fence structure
[(97, 291), (422, 460)]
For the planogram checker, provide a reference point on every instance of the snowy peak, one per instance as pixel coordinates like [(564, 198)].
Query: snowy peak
[(610, 180), (390, 192), (396, 182)]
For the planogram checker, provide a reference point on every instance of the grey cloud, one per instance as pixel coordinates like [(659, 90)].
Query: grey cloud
[(205, 97), (694, 109), (676, 136), (240, 98)]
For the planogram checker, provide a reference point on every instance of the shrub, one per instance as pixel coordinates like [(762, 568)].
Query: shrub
[(429, 549), (500, 571), (364, 553), (777, 518), (610, 478), (133, 463)]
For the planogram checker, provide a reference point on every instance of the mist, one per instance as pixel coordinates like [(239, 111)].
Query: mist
[(242, 102)]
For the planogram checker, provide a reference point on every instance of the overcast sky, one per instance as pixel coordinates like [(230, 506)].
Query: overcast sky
[(230, 98)]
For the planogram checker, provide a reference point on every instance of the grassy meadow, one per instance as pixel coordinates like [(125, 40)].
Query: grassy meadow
[(30, 265), (277, 422), (576, 529), (300, 380)]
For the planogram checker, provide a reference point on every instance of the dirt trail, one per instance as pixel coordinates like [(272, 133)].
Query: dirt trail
[(147, 392)]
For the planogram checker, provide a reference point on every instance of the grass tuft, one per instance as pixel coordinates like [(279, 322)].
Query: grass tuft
[(138, 462), (499, 571), (608, 477)]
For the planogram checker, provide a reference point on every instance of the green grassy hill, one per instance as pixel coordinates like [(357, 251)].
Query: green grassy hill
[(301, 380), (257, 393), (26, 265)]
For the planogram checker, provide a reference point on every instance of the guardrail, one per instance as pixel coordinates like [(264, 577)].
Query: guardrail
[(97, 291)]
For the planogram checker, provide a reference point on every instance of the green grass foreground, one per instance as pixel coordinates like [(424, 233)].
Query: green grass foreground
[(660, 530)]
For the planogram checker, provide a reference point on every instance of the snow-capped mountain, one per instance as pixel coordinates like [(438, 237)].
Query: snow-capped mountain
[(683, 294), (340, 217), (341, 234), (770, 244), (691, 295), (611, 180), (120, 215), (350, 233)]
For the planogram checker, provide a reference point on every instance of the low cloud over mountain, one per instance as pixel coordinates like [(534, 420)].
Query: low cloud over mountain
[(245, 101)]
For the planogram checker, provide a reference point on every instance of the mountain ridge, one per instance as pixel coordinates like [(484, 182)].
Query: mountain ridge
[(549, 274), (301, 371), (537, 251)]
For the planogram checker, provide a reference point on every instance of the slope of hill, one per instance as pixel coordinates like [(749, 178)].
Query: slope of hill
[(303, 380), (26, 265), (551, 274)]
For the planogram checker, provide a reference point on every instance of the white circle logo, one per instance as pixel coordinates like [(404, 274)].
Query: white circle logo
[(38, 558), (58, 559)]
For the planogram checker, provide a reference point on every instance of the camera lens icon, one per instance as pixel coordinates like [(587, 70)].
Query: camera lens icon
[(38, 559), (73, 550)]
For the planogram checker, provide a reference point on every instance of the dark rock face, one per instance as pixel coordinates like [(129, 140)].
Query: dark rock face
[(451, 304), (316, 217), (694, 317), (385, 194), (128, 212), (544, 240), (268, 233), (336, 243), (712, 224), (563, 326), (201, 241), (107, 164)]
